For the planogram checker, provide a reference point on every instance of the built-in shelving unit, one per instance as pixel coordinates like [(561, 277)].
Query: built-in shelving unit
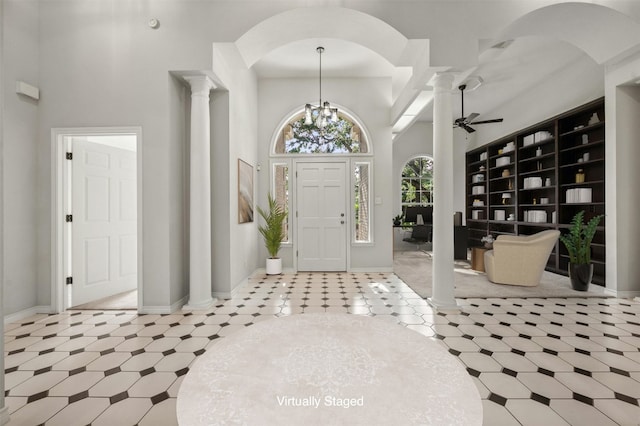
[(539, 178)]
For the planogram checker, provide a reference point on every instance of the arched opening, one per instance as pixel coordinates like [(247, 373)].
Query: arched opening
[(575, 23)]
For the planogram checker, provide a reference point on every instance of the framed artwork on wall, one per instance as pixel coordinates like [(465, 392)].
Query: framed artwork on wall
[(245, 192)]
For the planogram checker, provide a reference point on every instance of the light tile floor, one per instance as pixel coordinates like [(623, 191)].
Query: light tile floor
[(535, 361)]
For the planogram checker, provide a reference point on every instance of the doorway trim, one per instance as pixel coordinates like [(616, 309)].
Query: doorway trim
[(58, 182)]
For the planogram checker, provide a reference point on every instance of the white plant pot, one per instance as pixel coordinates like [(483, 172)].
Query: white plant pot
[(274, 266)]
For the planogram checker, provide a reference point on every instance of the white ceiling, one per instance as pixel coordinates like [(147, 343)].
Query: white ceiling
[(511, 71), (506, 72), (340, 59)]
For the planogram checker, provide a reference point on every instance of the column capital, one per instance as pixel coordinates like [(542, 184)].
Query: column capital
[(442, 81), (200, 84)]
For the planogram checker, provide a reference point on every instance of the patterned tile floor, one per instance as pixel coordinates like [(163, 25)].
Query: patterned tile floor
[(535, 361)]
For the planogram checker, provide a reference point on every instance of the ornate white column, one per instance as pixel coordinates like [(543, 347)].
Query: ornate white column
[(442, 296), (200, 196)]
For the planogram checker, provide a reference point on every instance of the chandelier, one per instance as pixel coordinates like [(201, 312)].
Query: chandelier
[(325, 114)]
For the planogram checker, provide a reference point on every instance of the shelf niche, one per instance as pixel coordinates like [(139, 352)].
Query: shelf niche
[(554, 169)]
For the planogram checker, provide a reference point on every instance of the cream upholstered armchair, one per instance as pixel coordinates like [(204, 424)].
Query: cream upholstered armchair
[(519, 260)]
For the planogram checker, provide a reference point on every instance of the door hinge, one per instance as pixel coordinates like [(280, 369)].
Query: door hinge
[(69, 156), (69, 280), (296, 253), (69, 218)]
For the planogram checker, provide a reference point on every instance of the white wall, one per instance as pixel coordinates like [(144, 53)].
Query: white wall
[(622, 108), (627, 99), (179, 100), (367, 99), (101, 65), (221, 185), (234, 130), (575, 85), (20, 170), (98, 64), (243, 144), (4, 413), (417, 140)]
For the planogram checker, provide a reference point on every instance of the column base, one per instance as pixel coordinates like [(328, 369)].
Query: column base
[(200, 306), (445, 308)]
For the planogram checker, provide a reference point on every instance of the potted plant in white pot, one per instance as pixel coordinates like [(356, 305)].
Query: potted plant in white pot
[(273, 232), (578, 244)]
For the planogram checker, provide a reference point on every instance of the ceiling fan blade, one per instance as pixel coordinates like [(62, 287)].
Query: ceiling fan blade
[(467, 128), (471, 116), (495, 120)]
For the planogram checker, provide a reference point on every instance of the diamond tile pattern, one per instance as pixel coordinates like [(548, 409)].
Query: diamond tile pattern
[(555, 361)]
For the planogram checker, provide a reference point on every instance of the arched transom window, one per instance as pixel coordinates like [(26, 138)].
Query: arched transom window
[(341, 137)]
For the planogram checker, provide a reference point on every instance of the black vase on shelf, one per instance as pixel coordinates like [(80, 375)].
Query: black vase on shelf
[(580, 275)]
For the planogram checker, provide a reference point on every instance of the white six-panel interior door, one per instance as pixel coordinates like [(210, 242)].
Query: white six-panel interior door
[(104, 226), (321, 216)]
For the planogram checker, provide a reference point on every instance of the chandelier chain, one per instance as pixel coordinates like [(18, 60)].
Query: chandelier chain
[(324, 113)]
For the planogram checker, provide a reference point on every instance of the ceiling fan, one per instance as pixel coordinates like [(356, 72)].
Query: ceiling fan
[(465, 122)]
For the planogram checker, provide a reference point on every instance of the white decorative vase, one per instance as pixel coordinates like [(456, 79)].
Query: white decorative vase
[(274, 266)]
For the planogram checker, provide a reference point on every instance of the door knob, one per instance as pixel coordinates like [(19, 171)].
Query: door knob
[(342, 214), (342, 222)]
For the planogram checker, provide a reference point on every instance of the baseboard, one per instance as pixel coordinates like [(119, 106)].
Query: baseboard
[(160, 310), (381, 269), (594, 288), (155, 310), (357, 270), (622, 294), (231, 294), (219, 295), (25, 313), (240, 285), (263, 271)]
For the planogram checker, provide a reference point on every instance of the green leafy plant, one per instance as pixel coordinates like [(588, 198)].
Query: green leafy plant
[(398, 219), (273, 229), (578, 239)]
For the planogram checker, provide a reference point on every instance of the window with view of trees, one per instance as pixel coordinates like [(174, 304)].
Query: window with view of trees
[(281, 190), (417, 182), (361, 202), (340, 137)]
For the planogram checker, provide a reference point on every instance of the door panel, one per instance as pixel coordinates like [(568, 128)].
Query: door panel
[(96, 257), (322, 218), (104, 227)]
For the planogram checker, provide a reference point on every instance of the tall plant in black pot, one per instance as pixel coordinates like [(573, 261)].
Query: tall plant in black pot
[(578, 244)]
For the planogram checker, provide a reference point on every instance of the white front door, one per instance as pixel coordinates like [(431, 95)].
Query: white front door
[(104, 226), (321, 216)]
